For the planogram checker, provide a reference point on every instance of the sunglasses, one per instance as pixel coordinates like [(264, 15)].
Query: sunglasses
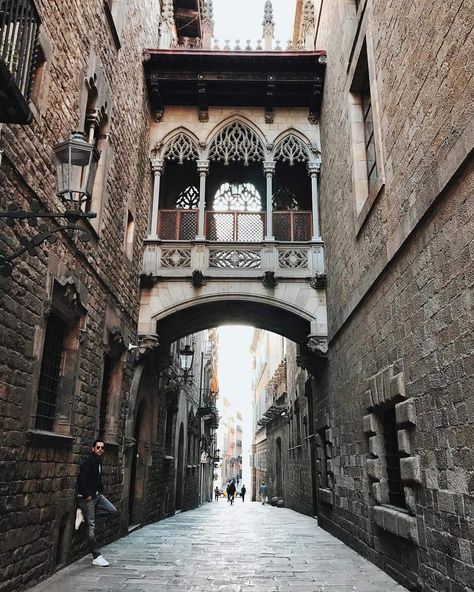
[(100, 447)]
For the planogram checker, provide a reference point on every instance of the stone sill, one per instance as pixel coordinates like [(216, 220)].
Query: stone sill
[(326, 496), (43, 438), (397, 522)]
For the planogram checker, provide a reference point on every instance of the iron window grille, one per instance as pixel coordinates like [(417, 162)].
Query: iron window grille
[(50, 374), (396, 492), (19, 27)]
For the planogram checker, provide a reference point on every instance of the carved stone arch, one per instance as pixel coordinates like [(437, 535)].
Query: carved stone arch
[(291, 147), (181, 145), (237, 139)]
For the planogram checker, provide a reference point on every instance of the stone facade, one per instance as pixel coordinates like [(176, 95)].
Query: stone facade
[(399, 259)]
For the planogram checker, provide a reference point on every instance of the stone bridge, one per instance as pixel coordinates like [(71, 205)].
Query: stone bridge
[(277, 286)]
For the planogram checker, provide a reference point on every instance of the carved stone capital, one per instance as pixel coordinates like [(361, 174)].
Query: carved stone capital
[(203, 167), (314, 166), (157, 165), (269, 167)]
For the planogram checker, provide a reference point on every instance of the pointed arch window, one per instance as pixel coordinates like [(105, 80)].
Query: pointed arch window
[(241, 197), (285, 200)]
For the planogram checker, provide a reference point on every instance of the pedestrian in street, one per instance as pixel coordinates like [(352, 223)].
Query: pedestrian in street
[(231, 492), (263, 493), (216, 494), (92, 503), (243, 491)]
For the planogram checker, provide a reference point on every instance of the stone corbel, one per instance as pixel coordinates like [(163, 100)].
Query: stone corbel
[(198, 280), (319, 281), (318, 344), (269, 280)]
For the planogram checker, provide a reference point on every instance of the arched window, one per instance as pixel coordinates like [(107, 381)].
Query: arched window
[(285, 199), (236, 142), (241, 197)]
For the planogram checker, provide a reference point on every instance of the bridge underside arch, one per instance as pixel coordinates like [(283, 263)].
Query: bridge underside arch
[(205, 315)]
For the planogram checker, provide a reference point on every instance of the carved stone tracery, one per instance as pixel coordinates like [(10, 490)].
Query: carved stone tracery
[(292, 149), (181, 148), (237, 142)]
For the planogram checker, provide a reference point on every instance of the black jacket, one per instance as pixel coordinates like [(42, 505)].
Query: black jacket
[(89, 480)]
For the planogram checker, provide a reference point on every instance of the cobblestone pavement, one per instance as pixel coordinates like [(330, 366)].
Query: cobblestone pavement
[(246, 547)]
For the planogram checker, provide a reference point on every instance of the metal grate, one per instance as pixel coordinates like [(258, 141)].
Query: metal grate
[(301, 226), (19, 26), (220, 226), (188, 225), (50, 375), (292, 226), (392, 458), (167, 224), (250, 227)]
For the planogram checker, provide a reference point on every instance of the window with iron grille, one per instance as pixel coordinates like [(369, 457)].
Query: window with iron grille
[(19, 26), (392, 458), (369, 136), (50, 374)]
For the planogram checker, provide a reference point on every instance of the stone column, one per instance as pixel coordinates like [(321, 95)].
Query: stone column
[(157, 166), (203, 169), (269, 169), (313, 170)]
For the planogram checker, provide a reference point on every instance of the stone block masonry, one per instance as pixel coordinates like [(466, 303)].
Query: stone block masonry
[(400, 287), (38, 471)]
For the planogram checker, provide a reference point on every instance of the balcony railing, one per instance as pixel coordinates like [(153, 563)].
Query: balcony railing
[(234, 226), (19, 26), (229, 259)]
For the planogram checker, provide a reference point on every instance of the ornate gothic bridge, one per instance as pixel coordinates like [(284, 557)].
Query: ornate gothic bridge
[(234, 228)]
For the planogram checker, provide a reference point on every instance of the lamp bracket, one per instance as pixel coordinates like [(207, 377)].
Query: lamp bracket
[(30, 244)]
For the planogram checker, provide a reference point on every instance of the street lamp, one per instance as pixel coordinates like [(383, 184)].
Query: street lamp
[(186, 355), (76, 163)]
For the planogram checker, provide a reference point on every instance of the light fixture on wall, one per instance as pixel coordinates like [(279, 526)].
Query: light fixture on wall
[(186, 357), (76, 165)]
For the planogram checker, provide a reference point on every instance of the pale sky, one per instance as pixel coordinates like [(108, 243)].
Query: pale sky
[(242, 19), (235, 381)]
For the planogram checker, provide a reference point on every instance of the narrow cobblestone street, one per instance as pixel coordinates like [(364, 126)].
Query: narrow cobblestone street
[(218, 547)]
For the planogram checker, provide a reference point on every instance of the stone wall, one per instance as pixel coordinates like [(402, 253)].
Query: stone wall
[(400, 288), (39, 471)]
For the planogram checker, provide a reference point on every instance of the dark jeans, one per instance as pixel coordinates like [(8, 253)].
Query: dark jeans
[(92, 509)]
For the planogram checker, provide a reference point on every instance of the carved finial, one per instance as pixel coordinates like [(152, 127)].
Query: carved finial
[(167, 24), (207, 24), (268, 13), (268, 25), (308, 29)]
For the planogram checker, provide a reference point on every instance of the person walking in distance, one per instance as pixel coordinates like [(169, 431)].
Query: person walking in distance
[(92, 503), (216, 494), (263, 493), (231, 492), (243, 491)]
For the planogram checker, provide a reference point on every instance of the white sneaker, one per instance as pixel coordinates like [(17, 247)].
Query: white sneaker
[(100, 561), (79, 518)]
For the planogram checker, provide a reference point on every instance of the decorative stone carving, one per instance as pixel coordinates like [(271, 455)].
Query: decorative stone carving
[(235, 259), (269, 280), (319, 281), (197, 279), (237, 142), (318, 344), (292, 149), (293, 258), (148, 280), (181, 148), (175, 258)]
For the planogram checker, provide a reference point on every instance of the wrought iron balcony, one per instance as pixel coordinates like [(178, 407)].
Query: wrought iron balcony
[(19, 26)]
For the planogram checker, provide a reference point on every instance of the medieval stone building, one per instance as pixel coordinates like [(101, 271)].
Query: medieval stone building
[(322, 192)]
